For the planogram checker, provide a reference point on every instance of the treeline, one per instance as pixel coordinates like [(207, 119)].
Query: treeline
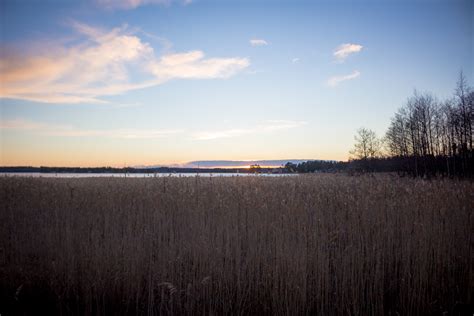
[(316, 166), (425, 137)]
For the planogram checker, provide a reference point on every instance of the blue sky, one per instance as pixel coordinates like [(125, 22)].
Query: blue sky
[(133, 82)]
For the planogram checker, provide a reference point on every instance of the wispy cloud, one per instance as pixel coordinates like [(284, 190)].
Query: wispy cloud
[(295, 60), (132, 4), (266, 127), (334, 81), (46, 129), (102, 63), (58, 130), (258, 42), (21, 124), (344, 50), (193, 65), (166, 44)]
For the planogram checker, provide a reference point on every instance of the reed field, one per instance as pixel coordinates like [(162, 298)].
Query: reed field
[(323, 244)]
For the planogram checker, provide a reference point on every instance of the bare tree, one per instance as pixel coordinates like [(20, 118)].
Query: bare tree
[(367, 145), (427, 130), (397, 136), (464, 111)]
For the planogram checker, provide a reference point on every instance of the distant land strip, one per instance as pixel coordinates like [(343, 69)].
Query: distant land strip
[(149, 170), (232, 163)]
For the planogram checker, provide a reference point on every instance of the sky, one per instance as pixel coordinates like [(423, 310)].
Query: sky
[(156, 82)]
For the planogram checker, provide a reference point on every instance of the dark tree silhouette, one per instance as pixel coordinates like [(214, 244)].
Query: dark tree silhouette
[(367, 145)]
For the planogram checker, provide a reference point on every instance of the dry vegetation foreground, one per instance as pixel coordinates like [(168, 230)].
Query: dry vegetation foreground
[(320, 244)]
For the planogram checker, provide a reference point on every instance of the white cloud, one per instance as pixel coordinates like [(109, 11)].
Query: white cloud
[(258, 42), (344, 50), (132, 4), (40, 128), (266, 127), (193, 65), (102, 63), (334, 81), (295, 60)]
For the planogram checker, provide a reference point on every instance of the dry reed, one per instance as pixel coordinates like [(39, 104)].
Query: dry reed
[(319, 244)]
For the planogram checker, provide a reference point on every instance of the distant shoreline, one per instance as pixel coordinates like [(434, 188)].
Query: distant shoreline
[(22, 169)]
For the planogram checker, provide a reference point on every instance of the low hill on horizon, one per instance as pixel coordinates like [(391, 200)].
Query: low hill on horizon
[(231, 163)]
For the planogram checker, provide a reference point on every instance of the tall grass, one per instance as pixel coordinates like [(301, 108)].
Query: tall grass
[(325, 244)]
